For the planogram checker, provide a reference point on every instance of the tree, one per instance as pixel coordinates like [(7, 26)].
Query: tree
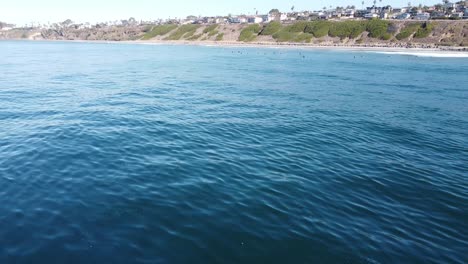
[(274, 11), (66, 23), (292, 9)]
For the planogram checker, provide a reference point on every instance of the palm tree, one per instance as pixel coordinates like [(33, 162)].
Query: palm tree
[(362, 4)]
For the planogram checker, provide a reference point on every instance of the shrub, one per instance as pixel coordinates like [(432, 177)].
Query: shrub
[(318, 28), (195, 37), (183, 31), (212, 33), (210, 28), (386, 36), (347, 29), (272, 28), (284, 36), (303, 37), (220, 37), (159, 31), (297, 27), (377, 28), (408, 30), (424, 31), (249, 33)]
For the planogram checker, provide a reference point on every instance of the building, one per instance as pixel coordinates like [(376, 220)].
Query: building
[(457, 15), (209, 20), (371, 16), (255, 20), (403, 16), (450, 5), (268, 18), (349, 13), (221, 20), (360, 13), (234, 20), (422, 16)]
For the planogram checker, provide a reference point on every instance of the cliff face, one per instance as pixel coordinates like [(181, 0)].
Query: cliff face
[(396, 33), (105, 33)]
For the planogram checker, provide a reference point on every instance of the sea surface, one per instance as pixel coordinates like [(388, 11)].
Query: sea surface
[(120, 153)]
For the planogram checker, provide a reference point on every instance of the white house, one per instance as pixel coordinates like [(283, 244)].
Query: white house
[(422, 16), (457, 15), (220, 20), (283, 17), (6, 28), (234, 20), (266, 18), (404, 16), (187, 22), (349, 13), (371, 15), (255, 20)]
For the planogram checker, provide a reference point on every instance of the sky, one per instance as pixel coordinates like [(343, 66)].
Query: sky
[(21, 12)]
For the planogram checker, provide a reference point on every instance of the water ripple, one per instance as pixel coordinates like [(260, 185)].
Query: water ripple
[(163, 154)]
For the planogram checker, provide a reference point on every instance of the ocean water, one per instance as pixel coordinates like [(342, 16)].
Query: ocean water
[(115, 153)]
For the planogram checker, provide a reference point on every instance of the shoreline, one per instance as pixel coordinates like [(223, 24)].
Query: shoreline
[(377, 47), (289, 45)]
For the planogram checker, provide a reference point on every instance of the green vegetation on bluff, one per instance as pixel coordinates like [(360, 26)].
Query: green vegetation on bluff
[(378, 29), (220, 37), (184, 31), (420, 30), (210, 29), (348, 29), (195, 37), (425, 30), (158, 31), (360, 31), (303, 31), (271, 28), (318, 28), (408, 30), (250, 32)]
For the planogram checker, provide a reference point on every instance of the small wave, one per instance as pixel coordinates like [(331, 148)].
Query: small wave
[(428, 54)]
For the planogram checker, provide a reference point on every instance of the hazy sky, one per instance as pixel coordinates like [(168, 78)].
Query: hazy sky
[(26, 11)]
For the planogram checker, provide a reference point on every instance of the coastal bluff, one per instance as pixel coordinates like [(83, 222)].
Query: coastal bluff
[(434, 33)]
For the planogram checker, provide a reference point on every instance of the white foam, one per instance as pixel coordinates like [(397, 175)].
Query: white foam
[(435, 54)]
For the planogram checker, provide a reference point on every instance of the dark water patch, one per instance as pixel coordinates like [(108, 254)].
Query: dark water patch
[(175, 154)]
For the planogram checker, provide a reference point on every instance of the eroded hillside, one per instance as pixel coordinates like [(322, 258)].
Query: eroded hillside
[(373, 32)]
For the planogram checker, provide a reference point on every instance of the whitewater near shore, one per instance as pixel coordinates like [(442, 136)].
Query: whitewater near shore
[(419, 50)]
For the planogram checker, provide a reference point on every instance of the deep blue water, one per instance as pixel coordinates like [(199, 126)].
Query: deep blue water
[(177, 154)]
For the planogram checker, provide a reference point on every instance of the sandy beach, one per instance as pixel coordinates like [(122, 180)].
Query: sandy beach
[(421, 50)]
